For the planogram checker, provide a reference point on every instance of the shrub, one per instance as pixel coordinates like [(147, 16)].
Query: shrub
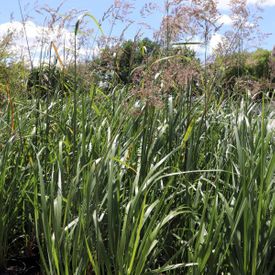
[(48, 81), (258, 64), (238, 70), (117, 63)]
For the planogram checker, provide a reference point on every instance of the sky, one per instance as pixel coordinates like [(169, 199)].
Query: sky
[(10, 18)]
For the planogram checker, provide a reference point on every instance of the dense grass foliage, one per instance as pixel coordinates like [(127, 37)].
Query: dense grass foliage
[(112, 185), (142, 160)]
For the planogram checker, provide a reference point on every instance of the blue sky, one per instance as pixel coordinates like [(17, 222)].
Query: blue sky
[(97, 8)]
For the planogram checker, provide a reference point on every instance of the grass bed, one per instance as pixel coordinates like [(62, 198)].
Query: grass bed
[(94, 183)]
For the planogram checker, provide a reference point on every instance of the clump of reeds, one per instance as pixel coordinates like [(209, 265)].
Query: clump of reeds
[(86, 187)]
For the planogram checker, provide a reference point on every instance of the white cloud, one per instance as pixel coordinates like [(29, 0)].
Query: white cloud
[(39, 39), (224, 4), (225, 20), (263, 2), (212, 45), (215, 40)]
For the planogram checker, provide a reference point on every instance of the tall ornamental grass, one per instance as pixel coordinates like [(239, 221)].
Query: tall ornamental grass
[(124, 187)]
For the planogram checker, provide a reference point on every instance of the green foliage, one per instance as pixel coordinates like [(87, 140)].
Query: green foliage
[(258, 64), (126, 63), (182, 189), (117, 63), (12, 72), (49, 80), (242, 71), (133, 54)]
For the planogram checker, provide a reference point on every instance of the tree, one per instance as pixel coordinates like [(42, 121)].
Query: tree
[(12, 71), (258, 64), (244, 72), (117, 63), (272, 67), (133, 54)]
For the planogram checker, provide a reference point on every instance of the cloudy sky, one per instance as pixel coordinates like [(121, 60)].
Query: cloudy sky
[(35, 22)]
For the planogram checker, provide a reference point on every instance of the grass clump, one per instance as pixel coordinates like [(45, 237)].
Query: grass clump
[(146, 189)]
